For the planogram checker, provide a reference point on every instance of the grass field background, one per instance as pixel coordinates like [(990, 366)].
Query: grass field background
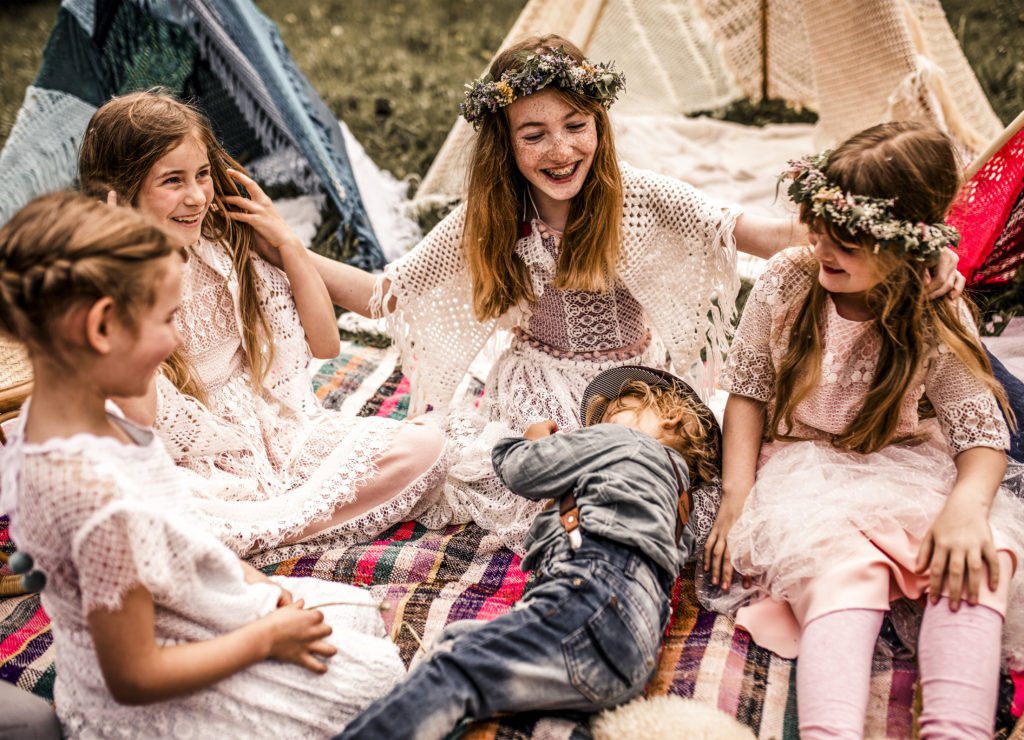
[(394, 69)]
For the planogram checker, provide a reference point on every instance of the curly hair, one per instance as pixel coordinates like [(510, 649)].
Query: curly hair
[(692, 436)]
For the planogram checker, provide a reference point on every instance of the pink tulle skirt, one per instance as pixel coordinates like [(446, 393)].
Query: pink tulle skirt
[(824, 530)]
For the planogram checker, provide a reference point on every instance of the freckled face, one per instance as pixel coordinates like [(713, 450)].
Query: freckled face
[(554, 148), (178, 191)]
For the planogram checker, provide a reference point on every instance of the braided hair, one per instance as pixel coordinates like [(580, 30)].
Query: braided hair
[(63, 249)]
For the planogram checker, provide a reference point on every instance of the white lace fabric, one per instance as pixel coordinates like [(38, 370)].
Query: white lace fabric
[(665, 223), (266, 462), (967, 410), (100, 518), (678, 262)]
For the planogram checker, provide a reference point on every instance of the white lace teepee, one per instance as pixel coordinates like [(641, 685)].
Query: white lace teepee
[(854, 62)]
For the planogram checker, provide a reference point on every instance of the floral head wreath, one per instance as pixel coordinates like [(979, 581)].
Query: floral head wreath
[(485, 96), (860, 214)]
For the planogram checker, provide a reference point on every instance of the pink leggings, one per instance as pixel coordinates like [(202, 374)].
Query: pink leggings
[(958, 660)]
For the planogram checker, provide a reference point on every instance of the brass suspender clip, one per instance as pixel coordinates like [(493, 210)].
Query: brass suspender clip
[(569, 514)]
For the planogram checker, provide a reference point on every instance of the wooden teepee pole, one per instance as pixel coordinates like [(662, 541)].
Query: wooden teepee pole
[(764, 50), (1000, 141)]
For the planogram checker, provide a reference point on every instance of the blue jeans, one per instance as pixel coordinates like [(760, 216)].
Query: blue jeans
[(585, 638), (1014, 388)]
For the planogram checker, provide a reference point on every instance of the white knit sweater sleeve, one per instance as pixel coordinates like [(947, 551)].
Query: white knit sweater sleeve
[(679, 262), (432, 322)]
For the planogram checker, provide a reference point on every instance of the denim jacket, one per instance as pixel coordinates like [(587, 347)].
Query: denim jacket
[(625, 487)]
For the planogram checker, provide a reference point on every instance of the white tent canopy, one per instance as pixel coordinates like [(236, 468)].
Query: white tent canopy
[(854, 62)]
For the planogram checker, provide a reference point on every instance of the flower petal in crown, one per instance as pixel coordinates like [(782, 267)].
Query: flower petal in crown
[(556, 67), (861, 214)]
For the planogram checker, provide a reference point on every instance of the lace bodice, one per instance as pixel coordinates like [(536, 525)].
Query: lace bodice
[(678, 262), (967, 410), (576, 321)]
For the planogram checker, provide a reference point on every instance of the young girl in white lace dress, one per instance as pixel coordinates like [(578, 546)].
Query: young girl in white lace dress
[(160, 630), (235, 404), (852, 501)]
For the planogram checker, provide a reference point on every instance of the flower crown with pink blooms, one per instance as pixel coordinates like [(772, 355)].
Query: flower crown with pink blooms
[(486, 96), (861, 214)]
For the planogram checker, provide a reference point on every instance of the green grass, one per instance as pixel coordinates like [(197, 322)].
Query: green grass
[(394, 69)]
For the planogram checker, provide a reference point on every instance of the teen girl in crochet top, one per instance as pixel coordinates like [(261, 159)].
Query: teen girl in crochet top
[(588, 262)]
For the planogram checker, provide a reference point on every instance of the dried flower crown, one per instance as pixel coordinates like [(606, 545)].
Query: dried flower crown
[(860, 214), (539, 70)]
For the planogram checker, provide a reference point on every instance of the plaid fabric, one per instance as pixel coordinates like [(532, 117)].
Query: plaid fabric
[(431, 578)]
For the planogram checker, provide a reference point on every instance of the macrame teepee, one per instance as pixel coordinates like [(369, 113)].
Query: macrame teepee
[(854, 62)]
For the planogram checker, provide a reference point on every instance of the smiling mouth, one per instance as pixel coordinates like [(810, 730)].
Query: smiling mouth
[(562, 173), (832, 270), (191, 221)]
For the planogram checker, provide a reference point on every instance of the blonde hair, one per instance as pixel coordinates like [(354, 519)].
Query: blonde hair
[(126, 137), (496, 192), (917, 166), (692, 436), (64, 249)]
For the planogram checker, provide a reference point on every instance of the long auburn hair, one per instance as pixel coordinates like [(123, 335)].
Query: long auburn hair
[(496, 192), (918, 167), (123, 141)]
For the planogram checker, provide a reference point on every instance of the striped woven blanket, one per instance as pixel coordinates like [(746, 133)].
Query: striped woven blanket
[(433, 577)]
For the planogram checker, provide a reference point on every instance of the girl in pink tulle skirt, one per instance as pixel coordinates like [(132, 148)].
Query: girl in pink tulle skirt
[(840, 493)]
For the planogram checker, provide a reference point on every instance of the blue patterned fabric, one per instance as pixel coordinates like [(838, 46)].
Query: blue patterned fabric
[(225, 56)]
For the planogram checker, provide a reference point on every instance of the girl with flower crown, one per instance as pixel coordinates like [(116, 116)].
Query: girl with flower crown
[(588, 262), (234, 404), (837, 499)]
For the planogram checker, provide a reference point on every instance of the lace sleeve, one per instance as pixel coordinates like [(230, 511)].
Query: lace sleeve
[(187, 428), (968, 412), (749, 369), (112, 548), (286, 378), (433, 323)]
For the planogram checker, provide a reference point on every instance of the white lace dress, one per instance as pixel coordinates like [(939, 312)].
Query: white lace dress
[(677, 264), (101, 517), (269, 462), (819, 518)]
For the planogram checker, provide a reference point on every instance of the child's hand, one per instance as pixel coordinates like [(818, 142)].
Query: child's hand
[(297, 636), (717, 558), (956, 547), (540, 429), (943, 279), (272, 233)]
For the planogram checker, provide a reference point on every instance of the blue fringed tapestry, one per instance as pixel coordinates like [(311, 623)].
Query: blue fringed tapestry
[(225, 56)]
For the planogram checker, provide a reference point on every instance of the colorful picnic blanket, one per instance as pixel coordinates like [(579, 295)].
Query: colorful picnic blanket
[(432, 577)]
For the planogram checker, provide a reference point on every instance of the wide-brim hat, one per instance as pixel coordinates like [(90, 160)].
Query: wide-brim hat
[(608, 385)]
